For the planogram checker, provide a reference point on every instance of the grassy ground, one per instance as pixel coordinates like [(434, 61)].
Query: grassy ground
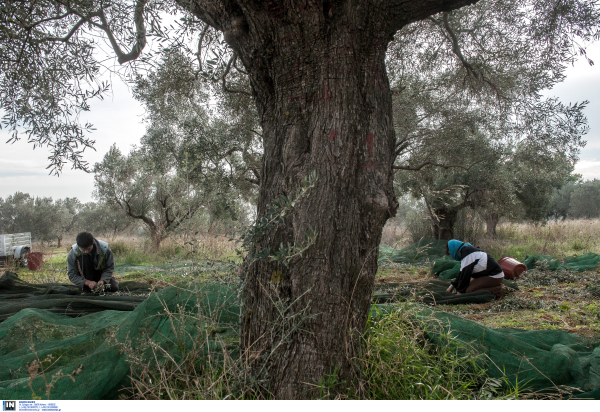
[(395, 345), (545, 300)]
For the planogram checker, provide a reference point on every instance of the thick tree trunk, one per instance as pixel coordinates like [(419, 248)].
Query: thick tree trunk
[(443, 223), (333, 118), (491, 222), (318, 76)]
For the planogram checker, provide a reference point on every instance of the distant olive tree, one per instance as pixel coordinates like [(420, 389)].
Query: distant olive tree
[(16, 213), (45, 218), (104, 219), (585, 200)]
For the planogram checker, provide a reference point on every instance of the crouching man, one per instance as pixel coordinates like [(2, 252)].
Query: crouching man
[(91, 263)]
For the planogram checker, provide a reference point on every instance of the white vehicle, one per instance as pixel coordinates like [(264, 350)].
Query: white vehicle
[(17, 245)]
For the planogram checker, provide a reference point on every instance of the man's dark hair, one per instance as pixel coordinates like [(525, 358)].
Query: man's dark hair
[(84, 239)]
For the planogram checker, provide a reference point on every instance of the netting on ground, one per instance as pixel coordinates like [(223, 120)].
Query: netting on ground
[(180, 268), (422, 252), (15, 295), (551, 361), (86, 357), (433, 292), (588, 261), (47, 354)]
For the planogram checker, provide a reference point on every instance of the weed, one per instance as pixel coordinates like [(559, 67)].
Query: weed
[(37, 369)]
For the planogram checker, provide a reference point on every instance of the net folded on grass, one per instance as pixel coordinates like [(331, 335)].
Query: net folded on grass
[(86, 357), (545, 361), (16, 294), (588, 261)]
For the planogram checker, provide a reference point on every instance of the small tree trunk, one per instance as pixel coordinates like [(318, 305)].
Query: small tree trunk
[(59, 241), (443, 223), (491, 222), (156, 238)]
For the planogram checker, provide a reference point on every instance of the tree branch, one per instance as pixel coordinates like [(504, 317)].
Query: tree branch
[(199, 52), (403, 12), (136, 50), (68, 36), (457, 51), (253, 181), (216, 13), (224, 78), (422, 165)]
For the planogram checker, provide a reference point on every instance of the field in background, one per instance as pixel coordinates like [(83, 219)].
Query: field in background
[(558, 239)]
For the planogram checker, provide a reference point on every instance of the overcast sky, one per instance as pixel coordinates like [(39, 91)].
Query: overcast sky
[(119, 120)]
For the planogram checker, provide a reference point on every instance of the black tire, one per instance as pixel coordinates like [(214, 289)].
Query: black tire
[(23, 257)]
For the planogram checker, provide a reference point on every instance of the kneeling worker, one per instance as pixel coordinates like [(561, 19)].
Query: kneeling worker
[(478, 270), (91, 263)]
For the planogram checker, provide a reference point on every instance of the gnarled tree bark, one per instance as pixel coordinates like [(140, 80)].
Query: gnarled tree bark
[(443, 221), (318, 76)]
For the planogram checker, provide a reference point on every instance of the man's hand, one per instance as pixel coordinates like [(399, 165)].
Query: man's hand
[(450, 288), (90, 284), (101, 282)]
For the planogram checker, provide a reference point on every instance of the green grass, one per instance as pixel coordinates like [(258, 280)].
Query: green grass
[(400, 363)]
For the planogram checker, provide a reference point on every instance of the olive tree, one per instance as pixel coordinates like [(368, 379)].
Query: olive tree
[(585, 200), (318, 79), (103, 220), (479, 75)]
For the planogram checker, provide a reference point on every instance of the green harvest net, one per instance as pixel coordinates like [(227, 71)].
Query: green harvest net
[(433, 292), (186, 268), (16, 295), (542, 361), (422, 252), (92, 345), (84, 357)]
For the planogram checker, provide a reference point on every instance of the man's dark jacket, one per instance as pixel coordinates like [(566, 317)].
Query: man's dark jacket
[(102, 260)]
